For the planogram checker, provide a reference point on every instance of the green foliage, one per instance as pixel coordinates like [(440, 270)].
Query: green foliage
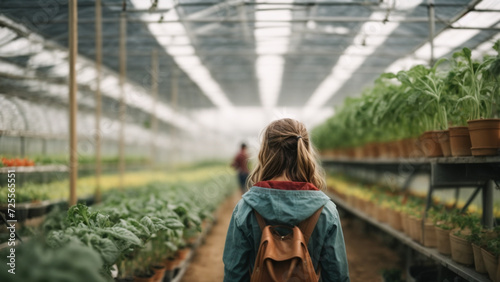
[(408, 103), (36, 262), (137, 228)]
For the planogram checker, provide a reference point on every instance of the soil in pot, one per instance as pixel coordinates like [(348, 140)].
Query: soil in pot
[(478, 259), (461, 250), (443, 240), (484, 136), (460, 141), (430, 144), (444, 142), (491, 263)]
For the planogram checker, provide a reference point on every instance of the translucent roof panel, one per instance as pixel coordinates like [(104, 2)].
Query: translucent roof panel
[(220, 59)]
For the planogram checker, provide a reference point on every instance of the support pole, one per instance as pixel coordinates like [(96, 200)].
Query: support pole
[(154, 91), (174, 97), (432, 29), (123, 70), (73, 51), (98, 102), (487, 200)]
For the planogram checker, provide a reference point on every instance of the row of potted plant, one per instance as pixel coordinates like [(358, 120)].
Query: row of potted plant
[(449, 109), (35, 199), (143, 233), (445, 227)]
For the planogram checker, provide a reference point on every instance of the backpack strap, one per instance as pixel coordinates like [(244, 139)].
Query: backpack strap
[(307, 226), (260, 220)]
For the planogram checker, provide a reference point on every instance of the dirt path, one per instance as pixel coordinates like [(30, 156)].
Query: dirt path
[(366, 256), (207, 264)]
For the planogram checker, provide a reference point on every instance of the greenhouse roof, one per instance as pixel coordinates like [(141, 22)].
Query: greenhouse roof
[(236, 64)]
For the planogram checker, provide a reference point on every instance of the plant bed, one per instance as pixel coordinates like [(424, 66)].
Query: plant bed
[(38, 209)]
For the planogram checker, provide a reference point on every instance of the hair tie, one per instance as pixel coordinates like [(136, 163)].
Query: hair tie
[(298, 137)]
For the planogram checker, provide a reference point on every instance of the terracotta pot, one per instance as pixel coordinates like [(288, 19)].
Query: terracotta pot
[(370, 209), (461, 250), (460, 141), (443, 240), (144, 279), (416, 229), (183, 253), (430, 238), (401, 145), (382, 150), (491, 264), (159, 271), (478, 259), (444, 142), (406, 225), (393, 150), (394, 219), (382, 214), (484, 136), (430, 144), (170, 264), (358, 152)]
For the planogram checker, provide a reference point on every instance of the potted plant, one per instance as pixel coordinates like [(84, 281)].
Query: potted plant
[(443, 226), (461, 248), (480, 89), (490, 253), (478, 238)]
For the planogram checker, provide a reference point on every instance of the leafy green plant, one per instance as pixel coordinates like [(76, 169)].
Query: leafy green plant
[(36, 262)]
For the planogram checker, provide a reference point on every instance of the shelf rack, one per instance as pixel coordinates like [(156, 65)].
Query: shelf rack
[(465, 272), (479, 173)]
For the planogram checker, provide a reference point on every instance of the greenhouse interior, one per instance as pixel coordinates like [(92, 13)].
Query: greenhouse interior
[(136, 139)]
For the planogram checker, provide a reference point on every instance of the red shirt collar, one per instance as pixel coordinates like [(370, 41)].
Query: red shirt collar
[(286, 185)]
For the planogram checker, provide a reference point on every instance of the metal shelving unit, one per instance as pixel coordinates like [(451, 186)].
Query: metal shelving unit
[(479, 173), (465, 272)]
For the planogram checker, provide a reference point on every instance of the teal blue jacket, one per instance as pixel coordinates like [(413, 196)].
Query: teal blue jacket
[(290, 207)]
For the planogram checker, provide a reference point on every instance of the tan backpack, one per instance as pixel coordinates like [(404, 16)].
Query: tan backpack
[(285, 258)]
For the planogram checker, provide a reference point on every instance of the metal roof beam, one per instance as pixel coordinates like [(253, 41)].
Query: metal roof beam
[(238, 20)]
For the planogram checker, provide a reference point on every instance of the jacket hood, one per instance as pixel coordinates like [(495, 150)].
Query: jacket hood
[(284, 206)]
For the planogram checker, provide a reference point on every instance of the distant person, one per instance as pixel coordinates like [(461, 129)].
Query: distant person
[(285, 191), (240, 163)]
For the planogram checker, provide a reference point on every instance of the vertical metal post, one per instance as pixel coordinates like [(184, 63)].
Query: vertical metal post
[(123, 69), (487, 200), (73, 51), (432, 29), (154, 91), (98, 102), (175, 154)]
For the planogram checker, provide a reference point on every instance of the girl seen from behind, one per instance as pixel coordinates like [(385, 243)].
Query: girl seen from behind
[(285, 190)]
